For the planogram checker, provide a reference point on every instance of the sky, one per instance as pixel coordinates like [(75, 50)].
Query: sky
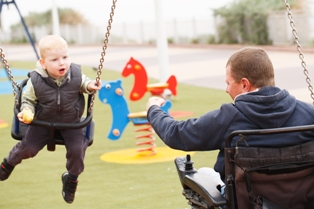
[(127, 11)]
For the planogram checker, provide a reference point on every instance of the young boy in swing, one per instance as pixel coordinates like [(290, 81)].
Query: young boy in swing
[(54, 93)]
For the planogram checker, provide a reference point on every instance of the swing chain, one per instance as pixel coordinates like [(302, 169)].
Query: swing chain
[(7, 68), (103, 52), (301, 56)]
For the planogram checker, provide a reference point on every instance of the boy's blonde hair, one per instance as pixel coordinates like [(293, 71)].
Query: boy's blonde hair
[(51, 42)]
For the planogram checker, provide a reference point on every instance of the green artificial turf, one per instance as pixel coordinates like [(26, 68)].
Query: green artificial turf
[(35, 183)]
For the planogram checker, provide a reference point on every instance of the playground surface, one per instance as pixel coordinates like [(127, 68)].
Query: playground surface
[(129, 182), (137, 185), (196, 65)]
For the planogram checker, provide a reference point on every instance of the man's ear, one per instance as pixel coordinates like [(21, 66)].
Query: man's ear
[(246, 85)]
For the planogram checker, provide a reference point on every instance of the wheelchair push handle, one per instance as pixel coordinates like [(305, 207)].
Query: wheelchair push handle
[(243, 133)]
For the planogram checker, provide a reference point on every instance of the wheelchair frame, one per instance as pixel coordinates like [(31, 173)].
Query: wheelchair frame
[(201, 192)]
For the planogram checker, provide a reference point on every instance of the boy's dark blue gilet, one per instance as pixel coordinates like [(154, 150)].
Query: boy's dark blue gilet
[(62, 103)]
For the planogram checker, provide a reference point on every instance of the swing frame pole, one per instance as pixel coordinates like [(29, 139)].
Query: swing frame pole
[(5, 2)]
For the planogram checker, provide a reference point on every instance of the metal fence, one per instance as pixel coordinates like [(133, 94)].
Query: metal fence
[(178, 31)]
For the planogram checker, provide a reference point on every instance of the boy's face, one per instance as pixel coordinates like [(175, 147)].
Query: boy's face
[(56, 62)]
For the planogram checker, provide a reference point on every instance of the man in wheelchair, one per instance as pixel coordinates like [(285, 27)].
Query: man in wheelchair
[(256, 169)]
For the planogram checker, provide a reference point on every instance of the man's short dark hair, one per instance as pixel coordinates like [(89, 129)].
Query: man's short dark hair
[(253, 64)]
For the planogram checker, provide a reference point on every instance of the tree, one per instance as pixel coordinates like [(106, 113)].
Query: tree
[(245, 21), (66, 16)]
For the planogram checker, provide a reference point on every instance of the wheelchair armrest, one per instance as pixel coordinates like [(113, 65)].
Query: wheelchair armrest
[(206, 187), (199, 183)]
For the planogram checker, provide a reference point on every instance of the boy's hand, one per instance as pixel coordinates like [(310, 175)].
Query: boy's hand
[(94, 85), (26, 116), (154, 101)]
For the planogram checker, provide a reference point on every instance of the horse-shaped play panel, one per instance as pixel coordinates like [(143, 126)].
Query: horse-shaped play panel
[(111, 93), (141, 86)]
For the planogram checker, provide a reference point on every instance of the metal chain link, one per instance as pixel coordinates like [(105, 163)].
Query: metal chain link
[(103, 54), (14, 83), (301, 56)]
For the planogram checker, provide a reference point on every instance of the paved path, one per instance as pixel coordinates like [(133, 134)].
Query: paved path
[(201, 66)]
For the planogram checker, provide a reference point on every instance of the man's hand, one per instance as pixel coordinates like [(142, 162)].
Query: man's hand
[(154, 101)]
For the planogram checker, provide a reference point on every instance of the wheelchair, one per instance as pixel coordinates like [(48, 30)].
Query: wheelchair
[(255, 177)]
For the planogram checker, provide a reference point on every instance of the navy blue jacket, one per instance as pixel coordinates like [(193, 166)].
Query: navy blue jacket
[(269, 107)]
